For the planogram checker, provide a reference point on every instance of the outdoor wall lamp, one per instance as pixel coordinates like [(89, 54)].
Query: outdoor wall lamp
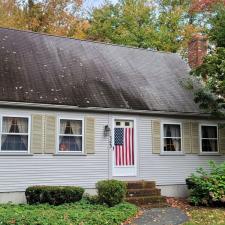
[(107, 130)]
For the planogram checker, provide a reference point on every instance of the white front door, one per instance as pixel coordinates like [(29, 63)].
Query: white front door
[(124, 151)]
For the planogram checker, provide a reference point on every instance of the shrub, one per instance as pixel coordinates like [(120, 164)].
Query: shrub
[(54, 195), (111, 192), (208, 188), (92, 199)]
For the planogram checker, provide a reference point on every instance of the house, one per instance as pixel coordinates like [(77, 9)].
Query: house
[(74, 112)]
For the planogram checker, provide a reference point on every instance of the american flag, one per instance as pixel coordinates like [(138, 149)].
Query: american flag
[(124, 146)]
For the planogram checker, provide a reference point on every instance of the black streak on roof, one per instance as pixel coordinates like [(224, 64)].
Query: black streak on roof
[(47, 69)]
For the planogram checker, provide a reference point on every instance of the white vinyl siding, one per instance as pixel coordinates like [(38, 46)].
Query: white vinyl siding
[(19, 172), (166, 169)]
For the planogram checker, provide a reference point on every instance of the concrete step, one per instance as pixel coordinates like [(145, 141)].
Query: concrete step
[(143, 192), (154, 205), (140, 184), (146, 200)]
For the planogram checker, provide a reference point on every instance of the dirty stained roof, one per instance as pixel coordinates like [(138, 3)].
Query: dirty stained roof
[(40, 68)]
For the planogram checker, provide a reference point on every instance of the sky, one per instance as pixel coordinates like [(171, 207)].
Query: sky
[(95, 3)]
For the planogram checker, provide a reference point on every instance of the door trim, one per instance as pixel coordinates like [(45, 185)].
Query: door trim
[(117, 171)]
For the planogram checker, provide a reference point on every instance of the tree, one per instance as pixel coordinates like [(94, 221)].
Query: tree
[(175, 25), (11, 15), (130, 22), (211, 95), (204, 5), (60, 17), (157, 24), (217, 28)]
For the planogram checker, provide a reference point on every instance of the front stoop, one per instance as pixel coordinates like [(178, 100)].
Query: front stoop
[(145, 194)]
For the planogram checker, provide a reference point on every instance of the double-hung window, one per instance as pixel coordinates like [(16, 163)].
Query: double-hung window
[(171, 139), (209, 138), (14, 134), (70, 135)]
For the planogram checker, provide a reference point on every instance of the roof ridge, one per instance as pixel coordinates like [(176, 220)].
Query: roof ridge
[(86, 40)]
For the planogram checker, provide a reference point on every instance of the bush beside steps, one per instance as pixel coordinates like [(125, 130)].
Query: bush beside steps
[(208, 188), (111, 192), (53, 195)]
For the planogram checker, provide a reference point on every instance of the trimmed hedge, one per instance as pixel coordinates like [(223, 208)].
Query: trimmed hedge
[(53, 195), (208, 188), (111, 192)]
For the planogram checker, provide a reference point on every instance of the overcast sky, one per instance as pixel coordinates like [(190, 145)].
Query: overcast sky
[(95, 3)]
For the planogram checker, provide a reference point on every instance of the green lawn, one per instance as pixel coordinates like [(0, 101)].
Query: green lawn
[(206, 216), (80, 213)]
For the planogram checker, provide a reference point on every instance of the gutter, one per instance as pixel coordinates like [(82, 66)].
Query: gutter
[(102, 110)]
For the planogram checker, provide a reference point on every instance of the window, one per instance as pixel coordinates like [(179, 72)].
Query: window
[(209, 138), (171, 137), (14, 134), (117, 123), (70, 135)]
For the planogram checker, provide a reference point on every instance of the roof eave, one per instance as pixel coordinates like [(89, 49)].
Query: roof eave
[(102, 110)]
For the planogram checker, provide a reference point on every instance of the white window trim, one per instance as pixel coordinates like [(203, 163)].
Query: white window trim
[(200, 138), (58, 135), (29, 133), (162, 139)]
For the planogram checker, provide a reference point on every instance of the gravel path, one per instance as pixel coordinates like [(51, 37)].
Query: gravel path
[(161, 216)]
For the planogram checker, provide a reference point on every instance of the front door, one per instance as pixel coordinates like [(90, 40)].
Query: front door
[(124, 152)]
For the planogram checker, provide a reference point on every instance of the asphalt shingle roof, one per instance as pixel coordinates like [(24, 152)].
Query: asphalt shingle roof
[(47, 69)]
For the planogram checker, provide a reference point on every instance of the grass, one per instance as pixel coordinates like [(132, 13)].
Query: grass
[(206, 216), (199, 215), (80, 213)]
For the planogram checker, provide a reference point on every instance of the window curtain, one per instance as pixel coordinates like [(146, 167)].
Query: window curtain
[(172, 131), (209, 144), (209, 132), (12, 142), (15, 125), (71, 127), (70, 143)]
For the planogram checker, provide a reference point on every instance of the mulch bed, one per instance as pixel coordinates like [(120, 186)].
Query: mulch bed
[(180, 203)]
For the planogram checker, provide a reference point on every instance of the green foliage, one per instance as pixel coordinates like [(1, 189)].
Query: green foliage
[(92, 199), (67, 214), (54, 195), (211, 95), (212, 75), (111, 192), (208, 188), (128, 22), (161, 25), (217, 31)]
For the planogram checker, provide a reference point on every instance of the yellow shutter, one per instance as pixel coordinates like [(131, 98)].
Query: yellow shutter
[(222, 138), (186, 137), (156, 127), (89, 131), (195, 147), (37, 134), (50, 134)]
